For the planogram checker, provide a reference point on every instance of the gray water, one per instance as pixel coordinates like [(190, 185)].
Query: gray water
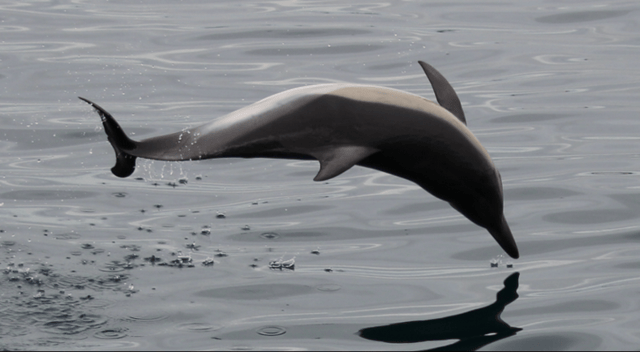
[(90, 261)]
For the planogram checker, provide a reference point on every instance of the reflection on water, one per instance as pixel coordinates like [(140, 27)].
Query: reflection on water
[(474, 329)]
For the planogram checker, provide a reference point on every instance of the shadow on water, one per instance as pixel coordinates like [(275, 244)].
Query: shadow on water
[(474, 329)]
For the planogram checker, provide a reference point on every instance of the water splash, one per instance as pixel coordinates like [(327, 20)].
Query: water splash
[(280, 264), (496, 261)]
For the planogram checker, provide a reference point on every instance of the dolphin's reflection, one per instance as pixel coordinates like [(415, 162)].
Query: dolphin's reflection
[(474, 329)]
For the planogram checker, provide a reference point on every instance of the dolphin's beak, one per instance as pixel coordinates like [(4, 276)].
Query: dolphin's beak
[(503, 236)]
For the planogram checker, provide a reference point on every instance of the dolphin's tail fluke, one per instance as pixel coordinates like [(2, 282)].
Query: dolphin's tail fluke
[(125, 162)]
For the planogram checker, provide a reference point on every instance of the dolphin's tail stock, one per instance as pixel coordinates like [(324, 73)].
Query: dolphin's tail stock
[(125, 162)]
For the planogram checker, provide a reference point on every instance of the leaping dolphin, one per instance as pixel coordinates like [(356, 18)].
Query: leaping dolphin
[(342, 125)]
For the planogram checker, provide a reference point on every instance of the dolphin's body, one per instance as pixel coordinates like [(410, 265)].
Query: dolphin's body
[(343, 125)]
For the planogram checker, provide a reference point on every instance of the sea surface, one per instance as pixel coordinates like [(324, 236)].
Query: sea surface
[(250, 254)]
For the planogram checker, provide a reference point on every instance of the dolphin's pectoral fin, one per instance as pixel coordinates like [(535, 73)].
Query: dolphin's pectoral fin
[(334, 161), (446, 96)]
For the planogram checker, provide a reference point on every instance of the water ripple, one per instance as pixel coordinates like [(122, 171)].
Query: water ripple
[(271, 330), (198, 327), (112, 333)]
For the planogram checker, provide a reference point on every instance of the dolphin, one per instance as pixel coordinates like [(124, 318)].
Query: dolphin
[(342, 125)]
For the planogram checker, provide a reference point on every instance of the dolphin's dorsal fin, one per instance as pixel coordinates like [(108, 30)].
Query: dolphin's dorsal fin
[(446, 96), (336, 160)]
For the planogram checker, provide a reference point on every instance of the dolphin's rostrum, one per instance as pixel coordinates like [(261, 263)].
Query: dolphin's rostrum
[(342, 125)]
